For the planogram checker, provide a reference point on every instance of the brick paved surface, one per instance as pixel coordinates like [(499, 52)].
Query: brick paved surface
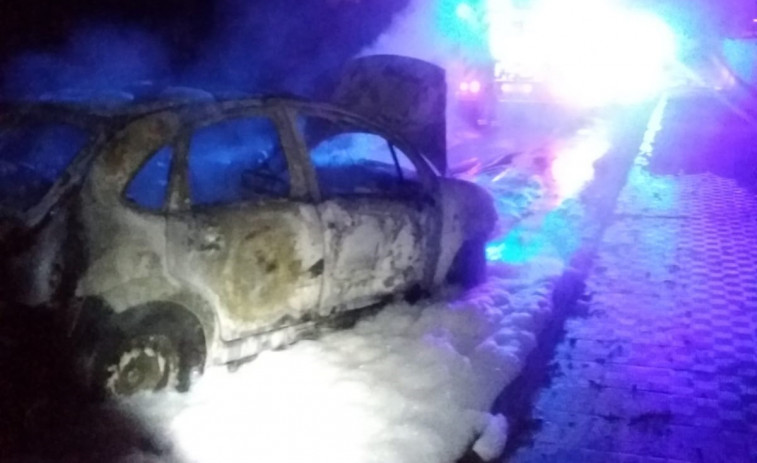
[(663, 366)]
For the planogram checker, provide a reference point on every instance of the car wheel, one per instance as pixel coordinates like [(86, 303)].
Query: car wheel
[(469, 266), (144, 359)]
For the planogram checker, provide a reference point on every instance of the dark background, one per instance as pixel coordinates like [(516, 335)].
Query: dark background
[(254, 45), (48, 45)]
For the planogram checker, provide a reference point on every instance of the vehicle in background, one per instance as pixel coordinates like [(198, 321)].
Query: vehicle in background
[(533, 52), (506, 71)]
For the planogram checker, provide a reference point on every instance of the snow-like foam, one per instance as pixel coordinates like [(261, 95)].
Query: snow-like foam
[(413, 384)]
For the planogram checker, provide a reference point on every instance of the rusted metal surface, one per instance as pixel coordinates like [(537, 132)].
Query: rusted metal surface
[(374, 247), (257, 263), (254, 274)]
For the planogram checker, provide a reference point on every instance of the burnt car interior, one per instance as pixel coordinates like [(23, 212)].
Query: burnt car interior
[(242, 159), (237, 160), (232, 161), (349, 160)]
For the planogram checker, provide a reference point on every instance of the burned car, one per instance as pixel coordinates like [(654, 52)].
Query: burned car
[(176, 232)]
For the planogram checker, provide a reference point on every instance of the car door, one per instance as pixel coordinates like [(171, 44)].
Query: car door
[(380, 221), (237, 234)]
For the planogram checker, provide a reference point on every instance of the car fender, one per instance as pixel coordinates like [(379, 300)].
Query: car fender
[(467, 213)]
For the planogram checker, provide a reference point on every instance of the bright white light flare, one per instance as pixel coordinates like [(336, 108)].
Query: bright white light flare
[(573, 166), (590, 52)]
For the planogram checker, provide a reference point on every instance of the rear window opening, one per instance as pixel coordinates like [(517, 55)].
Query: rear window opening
[(149, 188), (350, 161)]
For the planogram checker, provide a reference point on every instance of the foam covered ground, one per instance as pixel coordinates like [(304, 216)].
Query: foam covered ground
[(412, 384)]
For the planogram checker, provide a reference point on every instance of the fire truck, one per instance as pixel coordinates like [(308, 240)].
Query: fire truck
[(506, 69)]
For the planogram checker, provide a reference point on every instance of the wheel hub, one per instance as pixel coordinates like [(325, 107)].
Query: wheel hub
[(146, 363)]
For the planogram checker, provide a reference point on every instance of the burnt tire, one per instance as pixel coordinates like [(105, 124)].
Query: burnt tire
[(469, 266), (146, 357)]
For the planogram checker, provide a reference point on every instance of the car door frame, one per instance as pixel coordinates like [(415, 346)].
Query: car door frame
[(179, 193), (426, 175)]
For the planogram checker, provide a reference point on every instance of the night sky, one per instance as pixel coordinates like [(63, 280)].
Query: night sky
[(252, 45), (242, 44), (45, 24)]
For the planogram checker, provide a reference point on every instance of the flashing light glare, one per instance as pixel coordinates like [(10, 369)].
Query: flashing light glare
[(464, 86), (522, 88), (475, 86), (612, 55), (465, 11), (573, 166)]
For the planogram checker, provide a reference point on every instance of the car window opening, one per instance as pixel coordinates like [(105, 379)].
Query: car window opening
[(349, 160), (237, 160), (149, 187), (396, 161)]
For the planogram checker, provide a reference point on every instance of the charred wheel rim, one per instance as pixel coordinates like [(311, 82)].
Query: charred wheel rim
[(143, 363)]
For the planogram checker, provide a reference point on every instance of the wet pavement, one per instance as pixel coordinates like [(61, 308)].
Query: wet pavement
[(662, 364)]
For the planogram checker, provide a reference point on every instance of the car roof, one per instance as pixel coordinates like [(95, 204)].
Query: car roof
[(86, 105), (90, 109), (113, 111)]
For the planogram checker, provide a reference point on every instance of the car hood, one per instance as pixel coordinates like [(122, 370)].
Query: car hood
[(408, 96)]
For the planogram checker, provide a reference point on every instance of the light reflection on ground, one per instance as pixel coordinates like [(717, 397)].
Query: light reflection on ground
[(573, 165), (556, 191)]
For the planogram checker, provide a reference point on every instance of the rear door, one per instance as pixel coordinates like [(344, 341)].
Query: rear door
[(237, 234), (380, 220)]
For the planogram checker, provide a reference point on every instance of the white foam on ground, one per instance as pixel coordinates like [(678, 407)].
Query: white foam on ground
[(412, 384)]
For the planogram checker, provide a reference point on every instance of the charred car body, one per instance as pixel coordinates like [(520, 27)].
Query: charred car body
[(177, 232)]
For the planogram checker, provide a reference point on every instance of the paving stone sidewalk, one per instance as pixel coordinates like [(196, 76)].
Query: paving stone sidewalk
[(663, 365)]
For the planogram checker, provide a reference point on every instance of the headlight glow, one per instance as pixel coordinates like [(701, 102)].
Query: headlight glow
[(589, 52)]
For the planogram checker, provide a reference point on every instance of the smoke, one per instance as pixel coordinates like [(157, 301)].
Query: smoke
[(259, 47), (411, 33), (287, 45), (430, 30), (426, 29), (94, 58)]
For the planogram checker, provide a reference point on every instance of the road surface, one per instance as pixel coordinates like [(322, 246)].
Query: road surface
[(658, 361)]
